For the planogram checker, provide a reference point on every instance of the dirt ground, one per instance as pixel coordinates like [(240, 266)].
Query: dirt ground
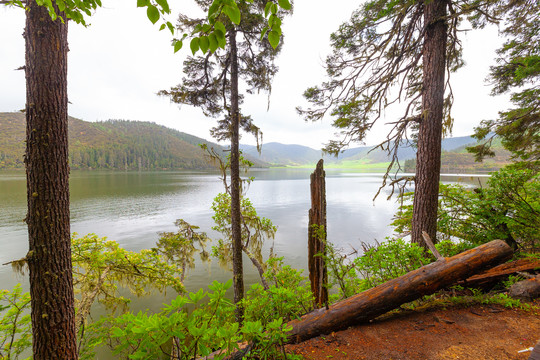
[(475, 332)]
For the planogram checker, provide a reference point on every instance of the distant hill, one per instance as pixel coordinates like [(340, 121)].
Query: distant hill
[(113, 144), (459, 160), (133, 145), (297, 155), (283, 154)]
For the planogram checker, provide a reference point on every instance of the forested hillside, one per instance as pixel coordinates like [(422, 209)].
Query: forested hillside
[(134, 145), (113, 144)]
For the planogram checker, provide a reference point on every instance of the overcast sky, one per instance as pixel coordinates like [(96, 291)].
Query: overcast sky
[(117, 65)]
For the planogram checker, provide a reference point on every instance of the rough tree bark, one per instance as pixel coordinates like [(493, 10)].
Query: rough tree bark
[(374, 302), (318, 276), (428, 156), (47, 175), (238, 270)]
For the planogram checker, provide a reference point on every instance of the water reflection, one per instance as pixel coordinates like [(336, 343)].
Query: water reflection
[(133, 207)]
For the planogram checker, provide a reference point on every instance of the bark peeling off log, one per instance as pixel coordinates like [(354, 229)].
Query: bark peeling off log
[(488, 278), (413, 285)]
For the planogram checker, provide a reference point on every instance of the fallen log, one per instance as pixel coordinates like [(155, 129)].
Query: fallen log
[(411, 286), (494, 275)]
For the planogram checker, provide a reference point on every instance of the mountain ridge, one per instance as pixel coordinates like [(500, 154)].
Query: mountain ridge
[(138, 145), (279, 154)]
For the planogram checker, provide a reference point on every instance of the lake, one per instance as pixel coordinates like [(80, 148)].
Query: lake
[(133, 207)]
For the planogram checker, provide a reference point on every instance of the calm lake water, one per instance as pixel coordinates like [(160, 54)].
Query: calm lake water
[(133, 207)]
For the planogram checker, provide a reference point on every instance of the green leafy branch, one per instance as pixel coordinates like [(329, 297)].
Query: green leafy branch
[(211, 35), (274, 22)]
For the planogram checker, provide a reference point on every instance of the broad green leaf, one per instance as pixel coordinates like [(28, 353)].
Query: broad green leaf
[(61, 5), (219, 34), (212, 42), (177, 45), (264, 31), (162, 27), (277, 29), (204, 43), (213, 10), (194, 45), (196, 29), (153, 13), (222, 42), (267, 8), (274, 8), (273, 38), (219, 26), (233, 13), (206, 28), (284, 4), (171, 27), (271, 20), (143, 3), (164, 5)]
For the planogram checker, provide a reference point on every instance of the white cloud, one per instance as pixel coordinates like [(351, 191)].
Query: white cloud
[(117, 65)]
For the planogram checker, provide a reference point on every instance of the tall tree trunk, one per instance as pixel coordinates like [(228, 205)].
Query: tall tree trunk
[(428, 156), (47, 175), (238, 269)]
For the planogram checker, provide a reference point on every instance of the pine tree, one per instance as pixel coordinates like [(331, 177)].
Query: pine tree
[(212, 81), (399, 52), (47, 175), (518, 66)]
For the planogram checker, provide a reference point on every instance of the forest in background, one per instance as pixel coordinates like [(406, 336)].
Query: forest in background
[(136, 145), (112, 144)]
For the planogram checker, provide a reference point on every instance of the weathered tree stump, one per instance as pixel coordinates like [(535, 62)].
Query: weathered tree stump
[(411, 286), (316, 237)]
